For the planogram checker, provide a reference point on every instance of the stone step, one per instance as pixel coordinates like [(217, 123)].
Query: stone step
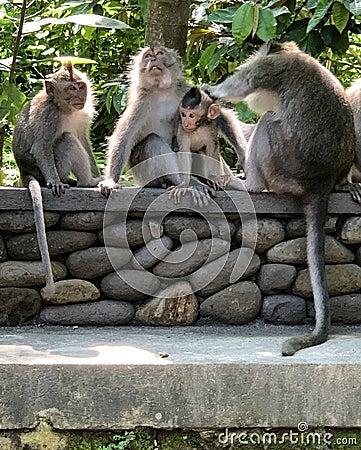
[(205, 376)]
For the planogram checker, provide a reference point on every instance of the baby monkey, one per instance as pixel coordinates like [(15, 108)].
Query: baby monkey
[(51, 141), (197, 133)]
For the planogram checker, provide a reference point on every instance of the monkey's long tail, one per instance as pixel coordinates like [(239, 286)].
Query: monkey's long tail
[(315, 210), (37, 200)]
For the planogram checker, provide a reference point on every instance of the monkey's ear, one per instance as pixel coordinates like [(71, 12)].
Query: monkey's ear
[(213, 111), (49, 87)]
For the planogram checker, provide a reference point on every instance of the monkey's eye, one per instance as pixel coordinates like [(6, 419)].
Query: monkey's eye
[(72, 88), (159, 53), (148, 55), (192, 116), (183, 114), (81, 86)]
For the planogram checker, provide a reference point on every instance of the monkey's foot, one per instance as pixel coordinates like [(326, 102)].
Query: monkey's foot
[(292, 345), (199, 194), (355, 191), (107, 186), (57, 188), (177, 192), (218, 182)]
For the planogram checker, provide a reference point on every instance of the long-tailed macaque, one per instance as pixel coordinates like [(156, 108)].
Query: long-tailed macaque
[(51, 142), (146, 129), (354, 95), (303, 144), (197, 132)]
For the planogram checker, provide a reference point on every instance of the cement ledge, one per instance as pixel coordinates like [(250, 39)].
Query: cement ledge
[(214, 377)]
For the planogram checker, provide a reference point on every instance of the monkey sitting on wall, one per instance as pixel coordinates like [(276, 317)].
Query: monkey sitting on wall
[(197, 132), (303, 144), (51, 142), (146, 128)]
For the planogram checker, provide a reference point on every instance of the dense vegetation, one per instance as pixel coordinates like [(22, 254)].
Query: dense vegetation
[(103, 34)]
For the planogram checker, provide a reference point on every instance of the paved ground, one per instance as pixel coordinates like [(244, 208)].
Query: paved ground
[(202, 344), (206, 376)]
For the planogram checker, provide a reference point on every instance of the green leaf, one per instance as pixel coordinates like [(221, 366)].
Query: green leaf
[(340, 16), (320, 12), (333, 39), (314, 44), (74, 60), (222, 15), (242, 23), (296, 31), (120, 100), (109, 99), (37, 25), (354, 6), (266, 25), (93, 20), (280, 11), (255, 20), (206, 57), (245, 114), (312, 4), (216, 59), (5, 64)]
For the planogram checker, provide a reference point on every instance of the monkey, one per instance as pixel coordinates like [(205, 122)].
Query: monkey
[(51, 141), (197, 132), (354, 177), (146, 129), (302, 145)]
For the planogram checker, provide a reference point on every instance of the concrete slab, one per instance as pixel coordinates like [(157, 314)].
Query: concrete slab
[(205, 376)]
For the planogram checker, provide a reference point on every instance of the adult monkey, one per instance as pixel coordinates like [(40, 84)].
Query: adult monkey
[(303, 144), (146, 129), (51, 141)]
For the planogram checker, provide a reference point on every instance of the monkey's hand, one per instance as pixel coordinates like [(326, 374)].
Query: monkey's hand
[(208, 90), (58, 188), (177, 192), (218, 182), (199, 194), (107, 186), (355, 191)]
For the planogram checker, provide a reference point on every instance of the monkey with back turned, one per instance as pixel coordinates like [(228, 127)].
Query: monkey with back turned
[(303, 144), (51, 142)]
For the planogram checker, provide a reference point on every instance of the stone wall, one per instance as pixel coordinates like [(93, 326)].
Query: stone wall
[(175, 265)]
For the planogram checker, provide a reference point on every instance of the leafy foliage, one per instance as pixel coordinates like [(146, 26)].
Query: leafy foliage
[(102, 35), (224, 34), (99, 35)]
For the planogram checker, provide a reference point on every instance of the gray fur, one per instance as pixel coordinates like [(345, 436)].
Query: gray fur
[(146, 128), (51, 141), (303, 144)]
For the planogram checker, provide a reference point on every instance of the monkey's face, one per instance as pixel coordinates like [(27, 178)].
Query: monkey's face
[(191, 118), (155, 61), (75, 94)]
